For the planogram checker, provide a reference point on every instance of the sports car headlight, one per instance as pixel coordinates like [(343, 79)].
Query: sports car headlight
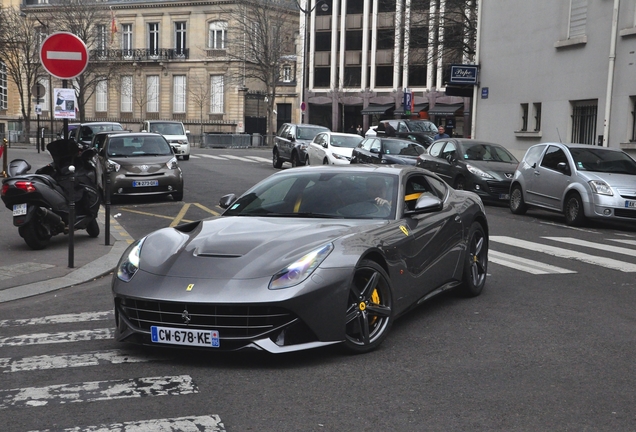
[(601, 188), (300, 270), (129, 263), (478, 172), (172, 163)]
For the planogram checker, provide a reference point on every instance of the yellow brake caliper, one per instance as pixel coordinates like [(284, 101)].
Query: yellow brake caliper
[(375, 298)]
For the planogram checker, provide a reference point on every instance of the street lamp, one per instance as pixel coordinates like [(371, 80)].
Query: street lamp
[(306, 13)]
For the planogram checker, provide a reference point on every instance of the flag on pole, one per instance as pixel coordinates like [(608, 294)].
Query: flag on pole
[(113, 26)]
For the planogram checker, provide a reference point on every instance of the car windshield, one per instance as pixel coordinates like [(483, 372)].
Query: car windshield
[(421, 126), (339, 195), (402, 148), (308, 133), (167, 128), (603, 160), (345, 141), (138, 146), (487, 152)]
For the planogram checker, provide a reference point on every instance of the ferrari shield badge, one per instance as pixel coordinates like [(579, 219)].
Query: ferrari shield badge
[(405, 230), (189, 287)]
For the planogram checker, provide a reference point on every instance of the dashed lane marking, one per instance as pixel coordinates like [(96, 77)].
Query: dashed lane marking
[(60, 319), (239, 158), (209, 423), (260, 159), (63, 337), (212, 156), (523, 264)]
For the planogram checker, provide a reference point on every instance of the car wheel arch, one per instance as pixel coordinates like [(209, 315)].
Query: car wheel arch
[(378, 258)]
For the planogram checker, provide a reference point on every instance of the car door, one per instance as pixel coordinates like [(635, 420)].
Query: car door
[(438, 161), (315, 150), (283, 141), (362, 153), (431, 248), (430, 158), (551, 179)]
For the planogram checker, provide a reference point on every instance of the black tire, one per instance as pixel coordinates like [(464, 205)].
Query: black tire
[(276, 160), (475, 263), (93, 228), (35, 235), (325, 162), (517, 204), (178, 196), (295, 160), (369, 314), (459, 183), (186, 157), (573, 210)]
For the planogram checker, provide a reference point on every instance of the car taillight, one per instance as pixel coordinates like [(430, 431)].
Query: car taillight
[(5, 188), (26, 186)]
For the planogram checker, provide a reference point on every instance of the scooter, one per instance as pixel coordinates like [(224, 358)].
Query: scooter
[(40, 201)]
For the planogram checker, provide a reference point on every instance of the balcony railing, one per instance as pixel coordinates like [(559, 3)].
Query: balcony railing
[(161, 54)]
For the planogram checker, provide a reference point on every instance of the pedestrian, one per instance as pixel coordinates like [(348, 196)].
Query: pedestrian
[(441, 133), (352, 129), (359, 130)]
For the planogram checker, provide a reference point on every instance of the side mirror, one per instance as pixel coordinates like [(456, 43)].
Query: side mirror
[(227, 200), (450, 158), (101, 152), (426, 203), (563, 167), (375, 150), (325, 145)]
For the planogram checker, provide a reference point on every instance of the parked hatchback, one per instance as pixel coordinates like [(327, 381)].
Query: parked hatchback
[(581, 181), (481, 167), (378, 150), (291, 142), (332, 148)]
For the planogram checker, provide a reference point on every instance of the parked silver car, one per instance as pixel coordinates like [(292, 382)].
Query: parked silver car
[(581, 181)]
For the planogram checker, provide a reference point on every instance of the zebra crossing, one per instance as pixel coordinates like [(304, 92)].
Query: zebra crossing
[(94, 391), (563, 248), (227, 157)]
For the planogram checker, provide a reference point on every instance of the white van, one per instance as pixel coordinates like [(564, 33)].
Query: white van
[(174, 132)]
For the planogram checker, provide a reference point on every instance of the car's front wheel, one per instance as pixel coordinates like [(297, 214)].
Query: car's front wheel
[(276, 160), (369, 308), (296, 160), (574, 215), (476, 262), (517, 204)]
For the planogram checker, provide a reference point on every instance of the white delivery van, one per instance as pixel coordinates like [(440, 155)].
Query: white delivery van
[(174, 132)]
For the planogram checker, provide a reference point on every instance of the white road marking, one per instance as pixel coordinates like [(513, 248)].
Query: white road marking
[(97, 391), (45, 362), (19, 269), (49, 338), (60, 319), (260, 159), (629, 242), (209, 423), (523, 264), (195, 157), (240, 158), (565, 253), (592, 245), (212, 156)]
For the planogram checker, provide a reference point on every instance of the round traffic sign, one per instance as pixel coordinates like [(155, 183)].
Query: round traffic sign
[(64, 55)]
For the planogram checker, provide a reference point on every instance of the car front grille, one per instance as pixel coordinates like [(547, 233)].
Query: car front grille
[(625, 213), (232, 321), (499, 188), (146, 189)]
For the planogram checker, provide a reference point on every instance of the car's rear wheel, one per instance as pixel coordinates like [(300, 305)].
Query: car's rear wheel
[(517, 204), (276, 160), (574, 215), (476, 262), (460, 183), (369, 308)]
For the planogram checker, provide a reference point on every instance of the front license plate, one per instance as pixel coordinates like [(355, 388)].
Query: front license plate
[(202, 338), (19, 209), (142, 183), (504, 196), (628, 204)]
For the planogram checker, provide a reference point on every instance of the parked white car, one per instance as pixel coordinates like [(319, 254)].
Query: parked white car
[(174, 132), (332, 148)]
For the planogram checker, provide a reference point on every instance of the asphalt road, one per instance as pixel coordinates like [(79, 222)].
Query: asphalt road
[(549, 345)]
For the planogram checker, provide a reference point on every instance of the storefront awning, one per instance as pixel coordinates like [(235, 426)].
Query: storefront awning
[(377, 109), (416, 109), (445, 109)]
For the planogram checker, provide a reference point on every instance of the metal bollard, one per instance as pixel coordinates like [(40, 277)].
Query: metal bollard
[(4, 158), (71, 219)]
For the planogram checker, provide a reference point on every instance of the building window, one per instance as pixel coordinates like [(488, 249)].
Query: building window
[(524, 117), (179, 94), (180, 38), (102, 40), (537, 117), (584, 115), (126, 40), (216, 94), (287, 73), (101, 96), (4, 91), (126, 93), (152, 89), (578, 18), (217, 35), (153, 39)]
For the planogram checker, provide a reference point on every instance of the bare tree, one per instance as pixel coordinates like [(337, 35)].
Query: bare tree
[(199, 90), (20, 51), (264, 35), (90, 21)]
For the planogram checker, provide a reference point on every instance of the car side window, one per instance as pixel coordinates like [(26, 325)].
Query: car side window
[(438, 187), (366, 144), (376, 145), (436, 148), (449, 150), (553, 156), (402, 127), (416, 186), (533, 155), (282, 130)]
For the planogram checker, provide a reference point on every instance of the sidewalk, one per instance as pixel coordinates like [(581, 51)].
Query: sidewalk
[(25, 272)]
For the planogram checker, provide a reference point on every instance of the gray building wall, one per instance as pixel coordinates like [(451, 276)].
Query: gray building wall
[(526, 57)]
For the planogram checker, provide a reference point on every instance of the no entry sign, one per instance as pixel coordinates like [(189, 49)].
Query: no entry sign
[(64, 55)]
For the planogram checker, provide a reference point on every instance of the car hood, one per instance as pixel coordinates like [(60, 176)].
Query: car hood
[(142, 164), (499, 170), (344, 151), (175, 137), (622, 181), (240, 247)]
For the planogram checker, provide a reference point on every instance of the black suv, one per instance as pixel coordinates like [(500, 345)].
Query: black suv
[(421, 131), (291, 142), (84, 132)]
